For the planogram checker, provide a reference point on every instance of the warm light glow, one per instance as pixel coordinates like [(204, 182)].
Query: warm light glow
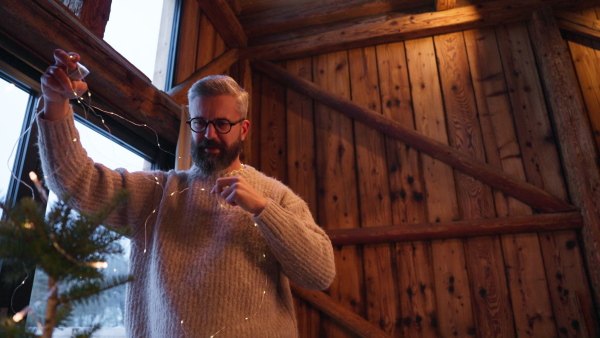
[(97, 265), (28, 225), (33, 176)]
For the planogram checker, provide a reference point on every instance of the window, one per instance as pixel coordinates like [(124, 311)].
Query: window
[(109, 310), (14, 101), (133, 30)]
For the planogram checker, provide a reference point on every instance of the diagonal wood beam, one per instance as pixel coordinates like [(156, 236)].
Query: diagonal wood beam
[(346, 318), (216, 66), (225, 22), (318, 13), (41, 26), (442, 5), (484, 172), (457, 229), (578, 24), (402, 28), (573, 130), (93, 13)]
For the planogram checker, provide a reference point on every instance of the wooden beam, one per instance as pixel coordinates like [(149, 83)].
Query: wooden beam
[(573, 130), (225, 22), (456, 229), (318, 13), (401, 28), (484, 172), (216, 66), (442, 5), (578, 24), (49, 25), (346, 318)]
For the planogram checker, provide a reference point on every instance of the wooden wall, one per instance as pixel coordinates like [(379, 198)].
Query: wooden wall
[(478, 91)]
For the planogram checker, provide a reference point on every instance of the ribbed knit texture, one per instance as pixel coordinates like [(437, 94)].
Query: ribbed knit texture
[(209, 268)]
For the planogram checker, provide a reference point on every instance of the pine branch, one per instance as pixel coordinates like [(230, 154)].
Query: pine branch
[(87, 291)]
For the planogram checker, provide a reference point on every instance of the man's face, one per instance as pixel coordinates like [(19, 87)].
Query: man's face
[(212, 151)]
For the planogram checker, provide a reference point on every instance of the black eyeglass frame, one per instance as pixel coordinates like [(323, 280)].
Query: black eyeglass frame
[(231, 124)]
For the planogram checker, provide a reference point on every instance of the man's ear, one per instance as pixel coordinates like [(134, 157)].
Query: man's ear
[(245, 128)]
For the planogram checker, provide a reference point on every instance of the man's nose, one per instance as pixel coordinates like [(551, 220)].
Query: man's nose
[(210, 132)]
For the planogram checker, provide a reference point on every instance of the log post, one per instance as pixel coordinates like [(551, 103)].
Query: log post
[(573, 131)]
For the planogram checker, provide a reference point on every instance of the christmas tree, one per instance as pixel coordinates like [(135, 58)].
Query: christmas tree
[(71, 248)]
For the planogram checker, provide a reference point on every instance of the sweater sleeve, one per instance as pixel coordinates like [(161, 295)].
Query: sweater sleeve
[(301, 246), (69, 171)]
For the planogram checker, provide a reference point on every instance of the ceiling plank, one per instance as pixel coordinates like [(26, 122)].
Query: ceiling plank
[(323, 12), (216, 66), (578, 24), (457, 229), (401, 28), (488, 174), (50, 25), (225, 22), (442, 5), (346, 318)]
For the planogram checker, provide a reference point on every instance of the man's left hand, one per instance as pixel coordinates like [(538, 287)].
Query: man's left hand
[(237, 191)]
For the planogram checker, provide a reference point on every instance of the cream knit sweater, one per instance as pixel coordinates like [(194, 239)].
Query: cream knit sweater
[(201, 267)]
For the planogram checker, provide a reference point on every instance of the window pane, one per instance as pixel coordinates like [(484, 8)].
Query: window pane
[(109, 311), (14, 104), (132, 30)]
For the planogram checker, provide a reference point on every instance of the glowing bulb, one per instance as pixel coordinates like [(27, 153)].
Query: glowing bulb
[(28, 225), (264, 256), (75, 139), (144, 250), (115, 270), (173, 193), (246, 318), (202, 189), (33, 176), (97, 265), (255, 224), (182, 322), (18, 316)]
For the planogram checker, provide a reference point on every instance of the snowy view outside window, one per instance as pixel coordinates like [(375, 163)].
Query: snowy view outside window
[(132, 30), (109, 310)]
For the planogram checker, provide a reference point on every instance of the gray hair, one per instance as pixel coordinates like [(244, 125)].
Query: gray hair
[(215, 85)]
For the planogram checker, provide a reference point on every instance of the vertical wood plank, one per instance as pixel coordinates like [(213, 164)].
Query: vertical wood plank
[(418, 315), (255, 120), (543, 168), (273, 160), (374, 201), (336, 184), (455, 313), (245, 81), (301, 168), (484, 254), (187, 44), (206, 42)]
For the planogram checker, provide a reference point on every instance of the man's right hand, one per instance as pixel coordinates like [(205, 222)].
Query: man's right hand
[(57, 88)]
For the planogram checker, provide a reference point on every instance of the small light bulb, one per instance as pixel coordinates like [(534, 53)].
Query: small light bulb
[(18, 316), (182, 322), (75, 139)]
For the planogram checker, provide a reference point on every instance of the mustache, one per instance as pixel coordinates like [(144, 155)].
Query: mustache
[(206, 143)]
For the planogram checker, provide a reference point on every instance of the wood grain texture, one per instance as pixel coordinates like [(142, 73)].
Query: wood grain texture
[(336, 185), (400, 28), (206, 42), (301, 168), (573, 130), (159, 79), (455, 312), (225, 22), (467, 164), (273, 155), (485, 261), (373, 186), (418, 313)]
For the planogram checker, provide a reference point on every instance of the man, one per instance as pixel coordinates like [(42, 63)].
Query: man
[(212, 247)]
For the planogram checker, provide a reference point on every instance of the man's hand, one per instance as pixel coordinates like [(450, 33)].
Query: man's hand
[(57, 88), (237, 191)]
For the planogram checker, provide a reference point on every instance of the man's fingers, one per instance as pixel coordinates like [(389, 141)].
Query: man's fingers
[(66, 60)]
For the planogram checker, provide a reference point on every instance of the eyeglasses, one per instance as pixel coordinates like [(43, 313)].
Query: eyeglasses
[(222, 126)]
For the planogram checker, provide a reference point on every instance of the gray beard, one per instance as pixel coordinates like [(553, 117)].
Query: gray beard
[(211, 164)]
